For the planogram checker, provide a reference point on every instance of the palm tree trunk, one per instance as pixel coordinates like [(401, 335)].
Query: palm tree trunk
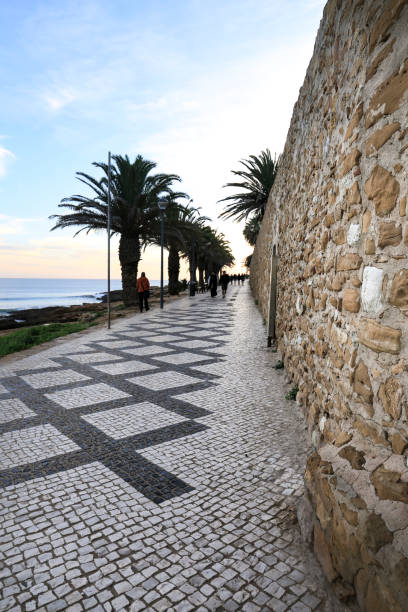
[(129, 257), (192, 266), (173, 266), (201, 276)]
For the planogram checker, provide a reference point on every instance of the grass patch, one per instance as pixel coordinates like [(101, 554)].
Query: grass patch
[(32, 336), (279, 365), (292, 393)]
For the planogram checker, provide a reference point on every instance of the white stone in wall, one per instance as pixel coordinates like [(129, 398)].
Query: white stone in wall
[(353, 234), (326, 146), (299, 305), (371, 289), (322, 423)]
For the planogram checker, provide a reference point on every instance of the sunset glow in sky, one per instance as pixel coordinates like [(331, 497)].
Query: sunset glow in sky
[(195, 86)]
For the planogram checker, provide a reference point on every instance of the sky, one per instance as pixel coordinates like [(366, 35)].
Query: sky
[(193, 85)]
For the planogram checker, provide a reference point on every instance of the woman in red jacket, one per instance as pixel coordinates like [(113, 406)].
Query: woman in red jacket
[(143, 287)]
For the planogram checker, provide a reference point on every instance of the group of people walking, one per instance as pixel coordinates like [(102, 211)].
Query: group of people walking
[(224, 281), (143, 286), (237, 278)]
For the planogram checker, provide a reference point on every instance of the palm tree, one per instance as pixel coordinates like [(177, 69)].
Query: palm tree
[(182, 227), (191, 246), (134, 210), (214, 253), (251, 229), (258, 177)]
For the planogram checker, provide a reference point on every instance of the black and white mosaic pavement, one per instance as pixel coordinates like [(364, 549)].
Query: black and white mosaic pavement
[(106, 401), (155, 466)]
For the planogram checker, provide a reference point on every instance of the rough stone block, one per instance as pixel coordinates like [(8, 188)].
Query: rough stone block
[(321, 550), (339, 236), (403, 207), (353, 194), (350, 261), (388, 485), (362, 383), (389, 234), (380, 137), (349, 162), (351, 300), (391, 396), (379, 338), (398, 443), (383, 189), (370, 431), (355, 120), (369, 246), (399, 290), (366, 221)]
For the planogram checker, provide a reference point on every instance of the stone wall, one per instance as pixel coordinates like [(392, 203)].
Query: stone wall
[(337, 216)]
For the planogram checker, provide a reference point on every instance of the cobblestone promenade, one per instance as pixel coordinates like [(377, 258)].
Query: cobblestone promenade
[(155, 466)]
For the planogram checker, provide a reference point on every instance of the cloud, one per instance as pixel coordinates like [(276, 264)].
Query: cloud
[(17, 225), (6, 157), (58, 99), (196, 87)]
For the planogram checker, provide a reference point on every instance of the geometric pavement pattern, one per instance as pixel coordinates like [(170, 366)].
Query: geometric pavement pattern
[(155, 466), (64, 399)]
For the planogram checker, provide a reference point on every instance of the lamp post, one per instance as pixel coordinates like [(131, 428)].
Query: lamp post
[(108, 296), (162, 205), (192, 271)]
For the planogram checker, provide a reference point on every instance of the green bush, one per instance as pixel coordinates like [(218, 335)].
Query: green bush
[(32, 336), (292, 393), (279, 365)]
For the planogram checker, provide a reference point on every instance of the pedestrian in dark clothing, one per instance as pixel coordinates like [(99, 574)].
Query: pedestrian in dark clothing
[(212, 284), (224, 280), (143, 287)]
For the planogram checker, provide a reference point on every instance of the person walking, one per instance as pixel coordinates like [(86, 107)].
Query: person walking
[(224, 280), (212, 284), (143, 287)]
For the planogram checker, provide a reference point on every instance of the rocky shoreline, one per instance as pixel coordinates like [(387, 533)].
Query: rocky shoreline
[(85, 312)]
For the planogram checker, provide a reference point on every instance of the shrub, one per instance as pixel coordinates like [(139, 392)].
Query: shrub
[(279, 365), (31, 336), (292, 393)]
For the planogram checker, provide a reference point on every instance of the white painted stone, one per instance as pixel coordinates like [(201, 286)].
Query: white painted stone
[(371, 289), (322, 423), (354, 234), (299, 305), (326, 146)]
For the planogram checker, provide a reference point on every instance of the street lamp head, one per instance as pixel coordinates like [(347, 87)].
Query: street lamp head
[(162, 203)]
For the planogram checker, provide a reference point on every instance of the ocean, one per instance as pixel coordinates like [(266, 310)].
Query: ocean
[(24, 293)]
